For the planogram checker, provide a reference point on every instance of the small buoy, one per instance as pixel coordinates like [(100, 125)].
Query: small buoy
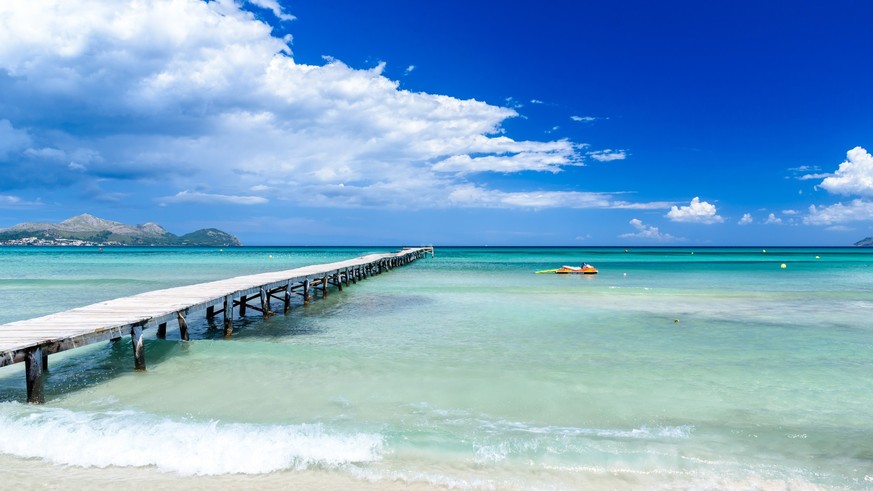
[(625, 274), (816, 257), (764, 251), (783, 266), (675, 321), (692, 253), (271, 256), (221, 250)]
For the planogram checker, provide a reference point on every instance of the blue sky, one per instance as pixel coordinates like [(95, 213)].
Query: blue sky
[(449, 123)]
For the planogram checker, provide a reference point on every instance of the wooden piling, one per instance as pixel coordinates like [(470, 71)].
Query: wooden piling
[(242, 305), (162, 331), (265, 303), (183, 326), (228, 316), (35, 376), (306, 297), (288, 297), (138, 348)]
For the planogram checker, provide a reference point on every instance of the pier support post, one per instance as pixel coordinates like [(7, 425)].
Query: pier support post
[(242, 305), (183, 326), (306, 296), (339, 280), (35, 376), (347, 277), (228, 316), (288, 297), (138, 348), (324, 286), (265, 303), (162, 331), (210, 312)]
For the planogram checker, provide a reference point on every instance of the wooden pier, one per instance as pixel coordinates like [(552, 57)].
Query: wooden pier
[(31, 341)]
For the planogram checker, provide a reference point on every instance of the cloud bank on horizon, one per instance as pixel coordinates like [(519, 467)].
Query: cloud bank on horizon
[(202, 101)]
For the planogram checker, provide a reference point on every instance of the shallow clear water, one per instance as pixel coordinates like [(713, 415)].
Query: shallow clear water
[(671, 369)]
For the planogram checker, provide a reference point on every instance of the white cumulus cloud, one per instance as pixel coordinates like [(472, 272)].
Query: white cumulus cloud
[(185, 92), (648, 232), (772, 219), (854, 176), (746, 219), (855, 210), (607, 155), (273, 6), (696, 212)]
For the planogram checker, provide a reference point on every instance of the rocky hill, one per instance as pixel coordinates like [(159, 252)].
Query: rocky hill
[(89, 230), (868, 242)]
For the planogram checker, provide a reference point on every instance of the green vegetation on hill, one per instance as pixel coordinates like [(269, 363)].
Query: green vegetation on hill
[(89, 230)]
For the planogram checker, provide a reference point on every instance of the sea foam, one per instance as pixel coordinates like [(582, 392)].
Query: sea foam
[(136, 439)]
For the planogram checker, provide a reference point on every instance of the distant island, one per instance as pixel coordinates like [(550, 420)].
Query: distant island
[(88, 230), (868, 242)]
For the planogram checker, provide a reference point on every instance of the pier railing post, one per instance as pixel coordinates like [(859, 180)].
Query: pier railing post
[(35, 376)]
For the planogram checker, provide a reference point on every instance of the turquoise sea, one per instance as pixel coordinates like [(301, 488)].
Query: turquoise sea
[(698, 369)]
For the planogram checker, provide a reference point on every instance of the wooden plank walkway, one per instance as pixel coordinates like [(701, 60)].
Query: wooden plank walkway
[(31, 341)]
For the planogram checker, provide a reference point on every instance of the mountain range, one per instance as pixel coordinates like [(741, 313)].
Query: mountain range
[(868, 242), (87, 229)]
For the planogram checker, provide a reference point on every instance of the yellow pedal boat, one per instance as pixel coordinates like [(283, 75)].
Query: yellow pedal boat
[(584, 269)]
